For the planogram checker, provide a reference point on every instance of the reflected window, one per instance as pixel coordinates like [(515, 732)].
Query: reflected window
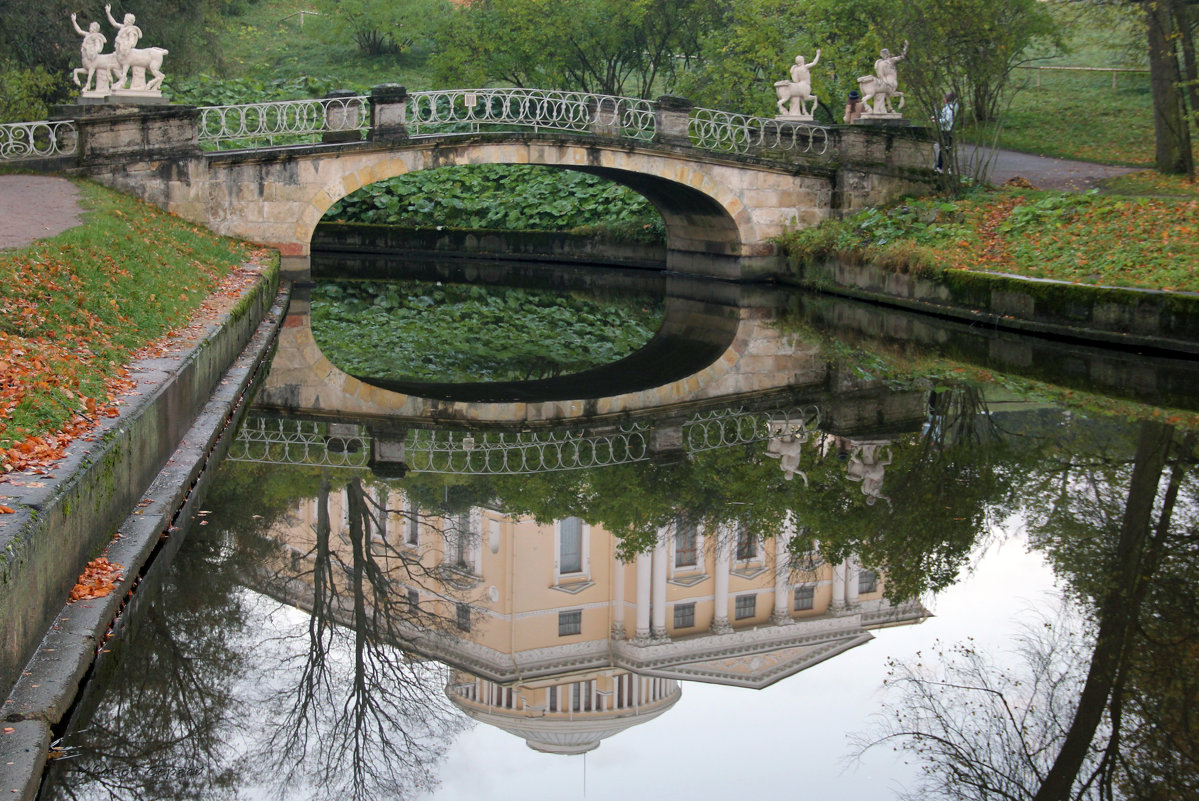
[(746, 606), (804, 597), (570, 554), (685, 538), (461, 552), (412, 529), (747, 544), (867, 581), (684, 616), (570, 622), (464, 616)]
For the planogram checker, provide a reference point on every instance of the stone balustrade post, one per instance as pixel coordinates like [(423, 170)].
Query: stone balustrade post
[(110, 134), (389, 113), (342, 117), (672, 117), (603, 116)]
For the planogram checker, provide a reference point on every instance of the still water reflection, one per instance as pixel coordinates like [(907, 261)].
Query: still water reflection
[(695, 598)]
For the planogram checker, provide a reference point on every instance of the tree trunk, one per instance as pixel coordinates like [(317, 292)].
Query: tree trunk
[(1117, 611), (1171, 132)]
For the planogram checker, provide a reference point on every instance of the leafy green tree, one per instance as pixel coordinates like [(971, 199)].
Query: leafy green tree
[(755, 42), (616, 47)]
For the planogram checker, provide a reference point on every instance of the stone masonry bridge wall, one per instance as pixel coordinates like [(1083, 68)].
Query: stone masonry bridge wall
[(722, 210)]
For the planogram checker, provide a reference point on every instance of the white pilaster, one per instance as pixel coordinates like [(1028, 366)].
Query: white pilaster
[(852, 569), (782, 572), (618, 632), (643, 591), (838, 588), (720, 619), (658, 629)]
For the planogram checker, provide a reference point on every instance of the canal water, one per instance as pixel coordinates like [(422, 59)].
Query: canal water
[(558, 533)]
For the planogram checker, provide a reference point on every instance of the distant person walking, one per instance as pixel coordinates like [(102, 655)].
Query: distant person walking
[(945, 119)]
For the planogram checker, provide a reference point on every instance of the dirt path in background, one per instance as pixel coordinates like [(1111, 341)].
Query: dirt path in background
[(34, 207)]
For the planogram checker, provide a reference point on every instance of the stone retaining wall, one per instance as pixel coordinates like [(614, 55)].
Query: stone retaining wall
[(1165, 322), (65, 519)]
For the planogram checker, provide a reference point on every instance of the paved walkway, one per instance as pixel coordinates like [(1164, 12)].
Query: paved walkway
[(35, 207), (1049, 173)]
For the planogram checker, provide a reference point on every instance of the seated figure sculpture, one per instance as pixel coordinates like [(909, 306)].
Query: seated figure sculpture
[(798, 90)]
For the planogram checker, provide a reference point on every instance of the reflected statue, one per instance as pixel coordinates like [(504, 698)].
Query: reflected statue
[(788, 451), (867, 465)]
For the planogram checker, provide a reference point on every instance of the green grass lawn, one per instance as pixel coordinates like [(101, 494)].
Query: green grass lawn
[(75, 308), (268, 43)]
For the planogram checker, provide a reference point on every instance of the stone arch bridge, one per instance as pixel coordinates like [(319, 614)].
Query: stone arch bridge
[(726, 184)]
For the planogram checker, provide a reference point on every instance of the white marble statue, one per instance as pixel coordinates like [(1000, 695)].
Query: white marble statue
[(788, 451), (97, 65), (797, 91), (132, 57), (868, 465), (883, 86)]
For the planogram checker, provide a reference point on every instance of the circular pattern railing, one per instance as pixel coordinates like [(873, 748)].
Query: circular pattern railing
[(523, 453), (724, 428), (273, 440), (306, 443), (712, 129), (34, 140), (472, 110), (281, 122)]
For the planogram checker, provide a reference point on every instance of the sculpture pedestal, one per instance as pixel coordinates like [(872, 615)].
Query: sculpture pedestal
[(134, 97), (795, 118), (892, 120)]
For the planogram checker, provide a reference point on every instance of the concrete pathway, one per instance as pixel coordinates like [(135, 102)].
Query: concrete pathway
[(35, 207), (1048, 173)]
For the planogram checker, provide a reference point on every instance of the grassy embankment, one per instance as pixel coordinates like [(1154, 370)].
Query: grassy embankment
[(76, 308), (1092, 238)]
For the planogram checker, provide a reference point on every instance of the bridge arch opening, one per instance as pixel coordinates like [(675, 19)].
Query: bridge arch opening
[(705, 220)]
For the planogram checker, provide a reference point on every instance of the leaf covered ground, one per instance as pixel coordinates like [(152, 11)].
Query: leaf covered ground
[(1092, 238), (77, 308)]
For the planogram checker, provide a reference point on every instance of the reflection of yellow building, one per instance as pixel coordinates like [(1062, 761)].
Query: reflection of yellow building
[(557, 641)]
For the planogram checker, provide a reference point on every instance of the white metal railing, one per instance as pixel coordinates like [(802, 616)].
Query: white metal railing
[(35, 140), (447, 112), (281, 122), (470, 110), (273, 440), (712, 129)]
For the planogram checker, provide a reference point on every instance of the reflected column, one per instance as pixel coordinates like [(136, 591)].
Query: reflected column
[(618, 632), (851, 583), (782, 570), (720, 617), (838, 605), (658, 629), (643, 589)]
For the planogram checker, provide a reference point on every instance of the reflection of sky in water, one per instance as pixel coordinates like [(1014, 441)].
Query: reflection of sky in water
[(788, 740)]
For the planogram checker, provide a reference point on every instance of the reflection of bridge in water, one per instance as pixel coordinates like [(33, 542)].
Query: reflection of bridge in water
[(312, 443)]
